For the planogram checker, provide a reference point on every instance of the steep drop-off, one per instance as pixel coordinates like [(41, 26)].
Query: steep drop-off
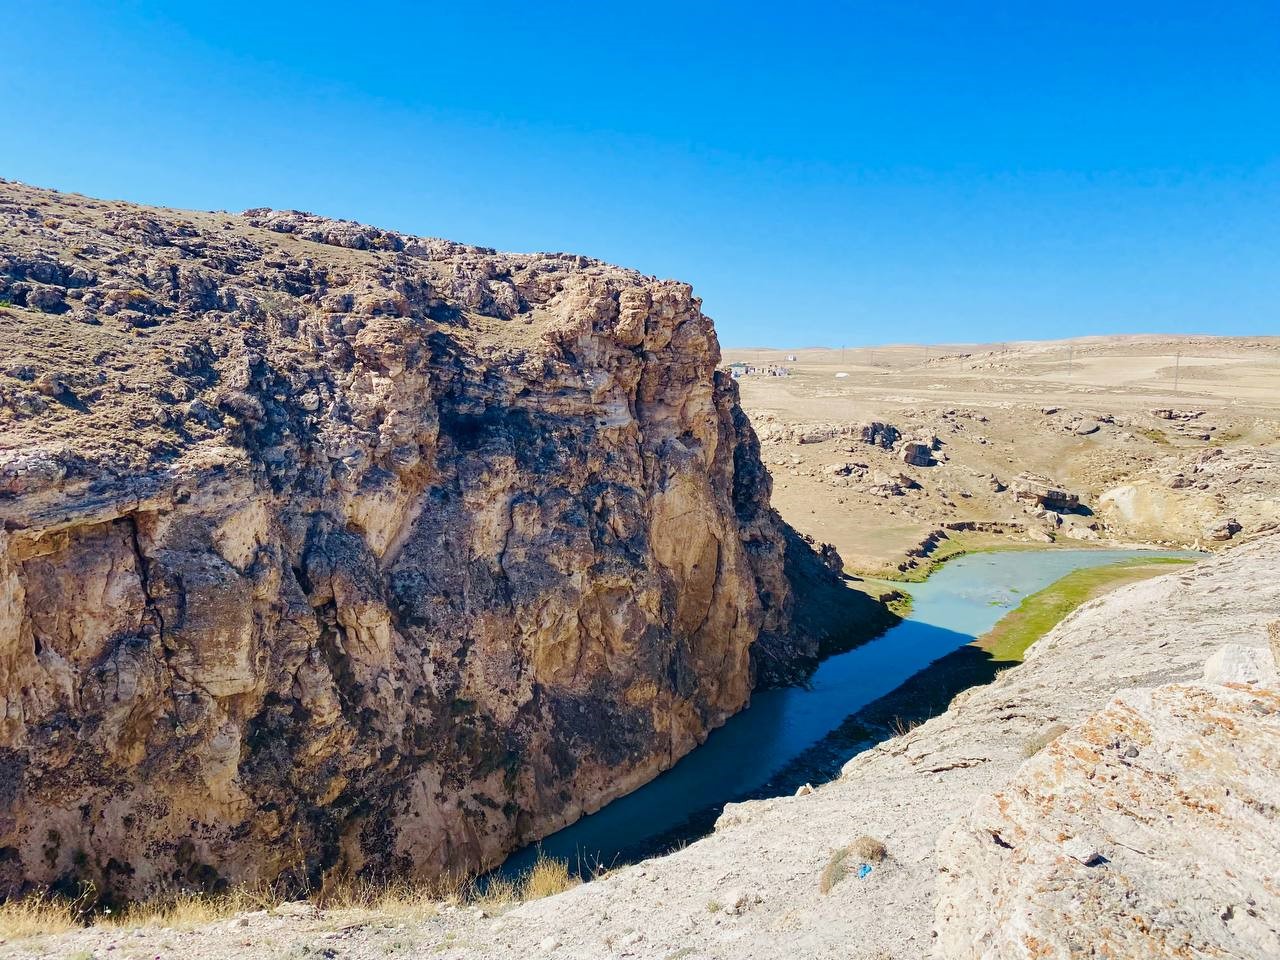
[(328, 549)]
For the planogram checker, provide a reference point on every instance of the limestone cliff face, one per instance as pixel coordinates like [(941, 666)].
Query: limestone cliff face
[(328, 549)]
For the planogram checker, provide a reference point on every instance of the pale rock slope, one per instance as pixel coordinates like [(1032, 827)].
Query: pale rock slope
[(1152, 830)]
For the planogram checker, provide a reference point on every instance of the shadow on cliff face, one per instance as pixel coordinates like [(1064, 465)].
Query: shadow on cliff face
[(771, 750), (828, 617)]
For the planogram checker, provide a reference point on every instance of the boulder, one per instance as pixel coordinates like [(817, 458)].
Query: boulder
[(917, 454), (1033, 488), (1223, 529)]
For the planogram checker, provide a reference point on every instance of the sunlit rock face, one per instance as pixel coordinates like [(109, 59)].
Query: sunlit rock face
[(327, 549)]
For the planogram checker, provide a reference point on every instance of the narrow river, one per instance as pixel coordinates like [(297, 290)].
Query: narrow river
[(963, 600)]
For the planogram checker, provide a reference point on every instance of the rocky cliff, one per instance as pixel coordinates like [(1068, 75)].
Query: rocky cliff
[(330, 549)]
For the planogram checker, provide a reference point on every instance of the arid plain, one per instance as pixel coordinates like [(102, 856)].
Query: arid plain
[(1133, 426)]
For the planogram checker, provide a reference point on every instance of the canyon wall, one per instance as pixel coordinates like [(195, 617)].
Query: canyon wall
[(327, 549)]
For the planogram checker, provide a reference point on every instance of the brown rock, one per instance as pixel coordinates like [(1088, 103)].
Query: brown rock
[(1044, 492), (917, 454), (346, 570)]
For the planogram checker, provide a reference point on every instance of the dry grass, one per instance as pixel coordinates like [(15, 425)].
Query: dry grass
[(36, 914), (545, 878), (835, 870), (901, 727), (868, 849), (188, 910), (402, 898), (863, 850)]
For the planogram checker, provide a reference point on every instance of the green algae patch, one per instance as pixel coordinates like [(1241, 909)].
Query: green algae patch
[(1008, 640)]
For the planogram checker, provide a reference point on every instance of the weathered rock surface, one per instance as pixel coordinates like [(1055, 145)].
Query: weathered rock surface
[(1213, 495), (874, 433), (328, 549), (1152, 830)]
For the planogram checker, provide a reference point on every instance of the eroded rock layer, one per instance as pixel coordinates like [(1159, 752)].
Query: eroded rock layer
[(328, 549)]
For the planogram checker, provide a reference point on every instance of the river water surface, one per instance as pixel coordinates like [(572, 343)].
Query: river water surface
[(961, 601)]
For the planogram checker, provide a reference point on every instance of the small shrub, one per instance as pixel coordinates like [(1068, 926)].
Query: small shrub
[(546, 877), (834, 871), (714, 906), (1043, 739), (868, 849)]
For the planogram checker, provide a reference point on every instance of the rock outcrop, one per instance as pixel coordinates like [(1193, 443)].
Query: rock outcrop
[(1044, 492), (327, 549), (1152, 830), (1212, 496)]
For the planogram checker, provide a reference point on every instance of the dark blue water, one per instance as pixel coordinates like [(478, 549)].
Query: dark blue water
[(960, 602)]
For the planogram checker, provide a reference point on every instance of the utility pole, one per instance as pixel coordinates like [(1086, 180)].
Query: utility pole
[(842, 355), (1177, 369), (1071, 352)]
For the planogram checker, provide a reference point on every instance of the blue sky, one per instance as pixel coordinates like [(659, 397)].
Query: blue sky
[(822, 173)]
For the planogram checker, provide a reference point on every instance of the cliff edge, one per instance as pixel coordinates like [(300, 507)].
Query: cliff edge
[(326, 549)]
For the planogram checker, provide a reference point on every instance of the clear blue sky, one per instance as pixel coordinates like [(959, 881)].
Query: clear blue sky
[(822, 173)]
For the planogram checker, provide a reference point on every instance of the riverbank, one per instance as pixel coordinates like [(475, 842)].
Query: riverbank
[(929, 692), (753, 890), (794, 736), (1008, 640)]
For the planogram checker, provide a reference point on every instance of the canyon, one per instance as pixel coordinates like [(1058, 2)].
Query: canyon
[(331, 554), (329, 551)]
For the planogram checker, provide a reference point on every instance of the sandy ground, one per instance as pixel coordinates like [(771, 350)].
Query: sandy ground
[(1004, 409)]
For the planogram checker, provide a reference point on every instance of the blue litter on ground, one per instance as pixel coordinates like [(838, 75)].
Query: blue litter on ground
[(864, 870)]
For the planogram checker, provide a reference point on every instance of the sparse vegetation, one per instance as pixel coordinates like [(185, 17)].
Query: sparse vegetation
[(714, 906), (402, 898), (36, 914), (1153, 434), (835, 870), (901, 727), (869, 849), (545, 878), (864, 850)]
